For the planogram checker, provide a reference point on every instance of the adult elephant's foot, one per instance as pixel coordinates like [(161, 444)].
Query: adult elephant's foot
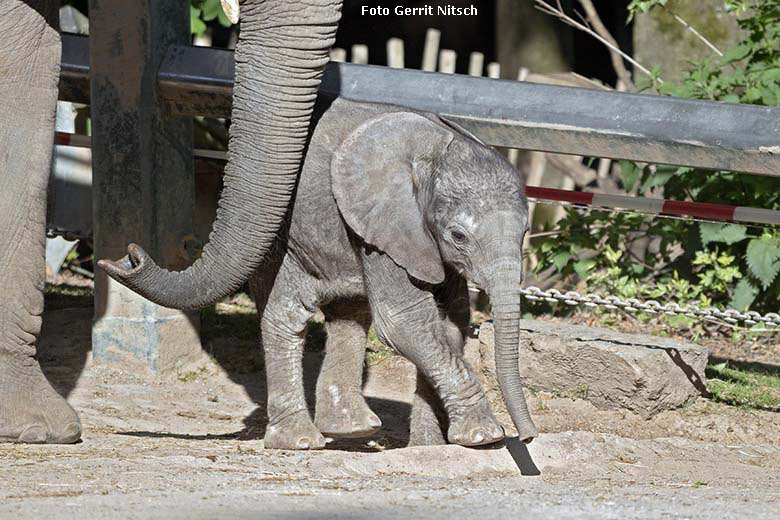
[(294, 432), (30, 410), (475, 426), (345, 415)]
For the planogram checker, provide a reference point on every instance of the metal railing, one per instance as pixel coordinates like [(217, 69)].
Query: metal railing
[(549, 118)]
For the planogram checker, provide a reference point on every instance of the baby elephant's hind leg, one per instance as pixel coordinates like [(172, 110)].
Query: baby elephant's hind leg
[(286, 310), (341, 410)]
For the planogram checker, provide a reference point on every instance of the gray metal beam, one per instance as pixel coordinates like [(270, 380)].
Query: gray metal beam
[(664, 130)]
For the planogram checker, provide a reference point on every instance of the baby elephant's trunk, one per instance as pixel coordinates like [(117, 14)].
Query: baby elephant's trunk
[(504, 292)]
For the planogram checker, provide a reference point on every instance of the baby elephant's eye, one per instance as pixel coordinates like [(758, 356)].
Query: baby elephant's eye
[(458, 236)]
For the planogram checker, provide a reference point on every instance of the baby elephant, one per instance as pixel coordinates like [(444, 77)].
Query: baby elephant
[(394, 210)]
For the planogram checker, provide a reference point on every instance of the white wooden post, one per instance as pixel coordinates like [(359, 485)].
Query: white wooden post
[(431, 49), (395, 53)]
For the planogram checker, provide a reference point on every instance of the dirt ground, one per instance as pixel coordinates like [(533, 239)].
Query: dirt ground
[(191, 446)]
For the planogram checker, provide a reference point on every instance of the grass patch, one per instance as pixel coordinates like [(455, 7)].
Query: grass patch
[(67, 296), (235, 319), (745, 385), (192, 375), (376, 351)]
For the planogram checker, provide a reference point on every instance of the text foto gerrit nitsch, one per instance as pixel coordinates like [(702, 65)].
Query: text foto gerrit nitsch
[(426, 10)]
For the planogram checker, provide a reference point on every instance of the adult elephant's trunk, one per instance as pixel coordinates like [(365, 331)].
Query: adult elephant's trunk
[(505, 299), (281, 53)]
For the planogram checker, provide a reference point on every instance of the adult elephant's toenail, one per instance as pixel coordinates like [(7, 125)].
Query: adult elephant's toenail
[(35, 434), (70, 434)]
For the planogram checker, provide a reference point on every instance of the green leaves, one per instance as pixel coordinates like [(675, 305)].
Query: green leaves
[(629, 174), (744, 295), (561, 259), (196, 24), (583, 267), (202, 11), (725, 233), (212, 9), (642, 6), (762, 259), (740, 52)]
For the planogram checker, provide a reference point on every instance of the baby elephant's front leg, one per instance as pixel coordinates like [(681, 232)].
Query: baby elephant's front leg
[(409, 319)]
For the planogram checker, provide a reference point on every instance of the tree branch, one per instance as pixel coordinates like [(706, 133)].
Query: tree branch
[(617, 61), (559, 13), (698, 35)]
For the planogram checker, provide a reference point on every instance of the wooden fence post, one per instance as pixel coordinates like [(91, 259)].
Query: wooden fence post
[(431, 49), (447, 61), (360, 53), (476, 63), (143, 181), (395, 53)]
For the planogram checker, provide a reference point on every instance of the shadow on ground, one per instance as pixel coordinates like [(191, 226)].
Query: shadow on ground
[(230, 339)]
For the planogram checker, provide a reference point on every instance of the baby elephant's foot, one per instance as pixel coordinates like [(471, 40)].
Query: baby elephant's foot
[(475, 427), (345, 415), (294, 432)]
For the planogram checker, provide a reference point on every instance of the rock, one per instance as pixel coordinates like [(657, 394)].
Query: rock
[(612, 370)]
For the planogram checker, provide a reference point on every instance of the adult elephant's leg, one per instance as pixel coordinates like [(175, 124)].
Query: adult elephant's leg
[(30, 410), (341, 410)]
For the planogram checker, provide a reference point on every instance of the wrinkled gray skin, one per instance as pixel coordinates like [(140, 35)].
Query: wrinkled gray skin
[(280, 56), (393, 212), (30, 409)]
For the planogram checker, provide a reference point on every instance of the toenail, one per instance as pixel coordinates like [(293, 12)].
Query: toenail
[(35, 434), (70, 434)]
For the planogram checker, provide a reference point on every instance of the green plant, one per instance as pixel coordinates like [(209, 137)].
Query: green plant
[(719, 264), (643, 6), (202, 11)]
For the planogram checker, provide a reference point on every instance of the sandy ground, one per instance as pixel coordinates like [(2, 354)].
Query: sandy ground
[(191, 447)]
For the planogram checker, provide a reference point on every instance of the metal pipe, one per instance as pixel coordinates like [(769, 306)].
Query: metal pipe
[(549, 118)]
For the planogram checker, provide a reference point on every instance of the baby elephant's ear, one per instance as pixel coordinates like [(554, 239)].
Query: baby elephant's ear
[(376, 174)]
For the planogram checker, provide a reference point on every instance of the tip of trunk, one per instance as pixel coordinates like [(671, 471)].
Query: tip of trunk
[(527, 431), (126, 266)]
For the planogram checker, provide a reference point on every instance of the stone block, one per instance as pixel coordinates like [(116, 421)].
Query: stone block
[(612, 370)]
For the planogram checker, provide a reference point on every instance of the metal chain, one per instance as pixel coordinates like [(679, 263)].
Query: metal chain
[(634, 305)]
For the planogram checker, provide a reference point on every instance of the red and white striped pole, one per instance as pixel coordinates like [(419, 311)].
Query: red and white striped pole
[(643, 204), (658, 206)]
